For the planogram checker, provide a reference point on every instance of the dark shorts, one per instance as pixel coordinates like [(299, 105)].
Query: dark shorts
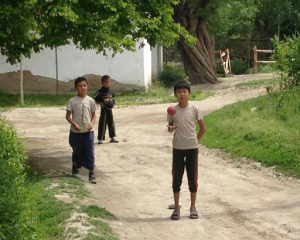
[(83, 149), (188, 159)]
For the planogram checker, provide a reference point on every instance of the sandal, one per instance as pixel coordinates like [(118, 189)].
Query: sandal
[(194, 214), (176, 214)]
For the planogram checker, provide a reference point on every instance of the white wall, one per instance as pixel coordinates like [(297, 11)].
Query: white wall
[(157, 62), (127, 67)]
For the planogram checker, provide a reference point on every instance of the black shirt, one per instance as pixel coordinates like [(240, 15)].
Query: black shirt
[(105, 97)]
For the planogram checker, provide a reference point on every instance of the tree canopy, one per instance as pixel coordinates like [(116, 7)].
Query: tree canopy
[(30, 25)]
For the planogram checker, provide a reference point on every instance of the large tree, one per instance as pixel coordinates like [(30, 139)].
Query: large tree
[(198, 59), (27, 26), (225, 20)]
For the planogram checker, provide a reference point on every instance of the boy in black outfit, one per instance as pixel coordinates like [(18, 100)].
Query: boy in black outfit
[(105, 97)]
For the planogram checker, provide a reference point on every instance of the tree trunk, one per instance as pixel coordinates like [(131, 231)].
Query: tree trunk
[(198, 59)]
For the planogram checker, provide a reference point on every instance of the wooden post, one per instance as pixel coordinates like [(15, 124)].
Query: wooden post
[(255, 58), (229, 63), (21, 82), (56, 70)]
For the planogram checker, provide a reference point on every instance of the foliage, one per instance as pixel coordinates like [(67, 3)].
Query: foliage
[(18, 35), (287, 57), (17, 221), (172, 73), (30, 25), (279, 17), (239, 66), (265, 129), (228, 20), (263, 68)]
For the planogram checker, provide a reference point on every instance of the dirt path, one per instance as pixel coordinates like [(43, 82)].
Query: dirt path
[(235, 200)]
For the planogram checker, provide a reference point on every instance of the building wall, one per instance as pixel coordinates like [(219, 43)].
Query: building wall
[(127, 67), (157, 62)]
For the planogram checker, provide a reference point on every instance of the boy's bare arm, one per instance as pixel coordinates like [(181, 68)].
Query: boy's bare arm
[(90, 127), (201, 130), (69, 119)]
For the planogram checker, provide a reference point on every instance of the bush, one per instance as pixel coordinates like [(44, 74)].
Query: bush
[(15, 221), (219, 69), (172, 73), (239, 66), (287, 57)]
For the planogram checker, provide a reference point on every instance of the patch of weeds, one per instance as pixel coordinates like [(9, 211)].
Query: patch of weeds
[(74, 186), (97, 212), (51, 213), (269, 83), (102, 231)]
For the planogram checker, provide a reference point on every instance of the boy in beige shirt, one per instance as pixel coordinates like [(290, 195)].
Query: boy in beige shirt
[(81, 115), (185, 146)]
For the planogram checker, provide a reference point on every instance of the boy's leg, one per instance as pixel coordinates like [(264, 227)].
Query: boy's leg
[(102, 125), (177, 173), (73, 141), (110, 123), (89, 155), (192, 174)]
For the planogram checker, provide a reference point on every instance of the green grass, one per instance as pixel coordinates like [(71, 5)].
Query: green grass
[(52, 214), (156, 94), (95, 211), (258, 83), (265, 129), (33, 100), (103, 231), (263, 68)]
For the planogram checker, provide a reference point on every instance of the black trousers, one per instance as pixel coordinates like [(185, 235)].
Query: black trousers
[(106, 118), (188, 159), (83, 149)]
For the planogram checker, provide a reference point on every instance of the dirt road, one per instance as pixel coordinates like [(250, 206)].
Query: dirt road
[(235, 200)]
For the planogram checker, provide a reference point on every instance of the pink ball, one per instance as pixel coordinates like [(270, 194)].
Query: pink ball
[(171, 110)]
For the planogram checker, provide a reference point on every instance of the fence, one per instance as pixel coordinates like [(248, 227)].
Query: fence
[(255, 57)]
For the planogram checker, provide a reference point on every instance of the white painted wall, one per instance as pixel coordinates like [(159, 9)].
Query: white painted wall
[(127, 67), (157, 62)]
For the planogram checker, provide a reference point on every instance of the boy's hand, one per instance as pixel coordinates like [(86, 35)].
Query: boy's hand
[(90, 126), (76, 126), (171, 127)]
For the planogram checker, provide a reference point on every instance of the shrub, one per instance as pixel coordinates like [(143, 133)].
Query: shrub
[(172, 73), (14, 203), (220, 69), (287, 57), (239, 66)]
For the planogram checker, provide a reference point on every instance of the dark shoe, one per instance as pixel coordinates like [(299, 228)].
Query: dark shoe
[(113, 140), (75, 170), (92, 178)]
